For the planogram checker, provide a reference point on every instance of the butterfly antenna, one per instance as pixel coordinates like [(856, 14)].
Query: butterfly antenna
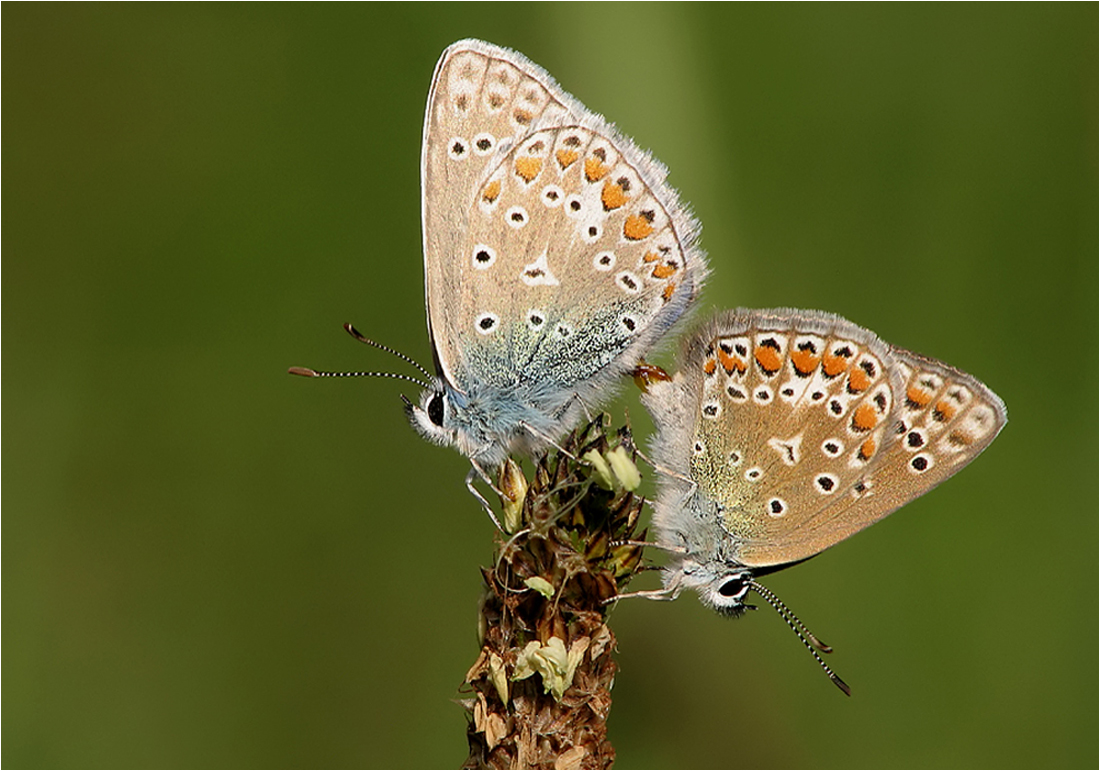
[(813, 645), (307, 372), (359, 336)]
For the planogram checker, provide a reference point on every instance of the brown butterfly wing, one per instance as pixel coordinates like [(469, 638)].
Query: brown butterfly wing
[(809, 428)]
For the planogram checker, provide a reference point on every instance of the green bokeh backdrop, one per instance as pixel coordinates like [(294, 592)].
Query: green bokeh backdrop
[(209, 563)]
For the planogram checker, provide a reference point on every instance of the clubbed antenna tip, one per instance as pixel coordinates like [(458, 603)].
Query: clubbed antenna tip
[(805, 635)]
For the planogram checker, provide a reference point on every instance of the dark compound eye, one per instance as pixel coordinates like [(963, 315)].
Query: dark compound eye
[(435, 409), (732, 587)]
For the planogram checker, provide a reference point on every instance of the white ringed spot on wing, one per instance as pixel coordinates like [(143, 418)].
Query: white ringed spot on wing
[(484, 256), (457, 149), (486, 323), (516, 217), (603, 261), (484, 143)]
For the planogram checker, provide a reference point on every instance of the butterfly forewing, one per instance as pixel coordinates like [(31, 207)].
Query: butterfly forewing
[(483, 99)]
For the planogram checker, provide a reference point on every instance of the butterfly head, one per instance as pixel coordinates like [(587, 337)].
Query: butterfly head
[(722, 586), (441, 418), (726, 593), (450, 418)]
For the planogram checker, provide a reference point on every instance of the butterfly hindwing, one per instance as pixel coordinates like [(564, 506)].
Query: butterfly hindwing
[(572, 262), (807, 428)]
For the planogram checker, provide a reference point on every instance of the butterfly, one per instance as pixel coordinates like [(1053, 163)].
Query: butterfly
[(784, 432), (555, 257)]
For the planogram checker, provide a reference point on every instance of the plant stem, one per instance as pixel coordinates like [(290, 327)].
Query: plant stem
[(541, 684)]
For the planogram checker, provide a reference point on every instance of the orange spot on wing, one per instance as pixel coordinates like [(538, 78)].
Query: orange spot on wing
[(805, 361), (566, 158), (944, 411), (917, 397), (867, 449), (670, 289), (612, 196), (637, 227), (858, 380), (528, 168), (833, 365), (731, 363), (595, 169), (491, 191), (710, 366), (650, 257), (768, 358), (523, 117), (864, 418), (663, 271)]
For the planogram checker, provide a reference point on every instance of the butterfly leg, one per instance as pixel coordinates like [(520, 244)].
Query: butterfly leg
[(474, 472), (649, 594), (668, 472), (690, 492), (587, 414), (548, 439), (651, 544)]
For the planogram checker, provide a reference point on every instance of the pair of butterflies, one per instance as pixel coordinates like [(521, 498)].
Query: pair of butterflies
[(556, 258)]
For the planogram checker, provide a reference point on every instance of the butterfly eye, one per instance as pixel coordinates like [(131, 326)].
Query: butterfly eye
[(435, 409), (735, 586)]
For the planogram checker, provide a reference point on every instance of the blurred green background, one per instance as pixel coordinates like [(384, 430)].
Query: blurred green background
[(207, 562)]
